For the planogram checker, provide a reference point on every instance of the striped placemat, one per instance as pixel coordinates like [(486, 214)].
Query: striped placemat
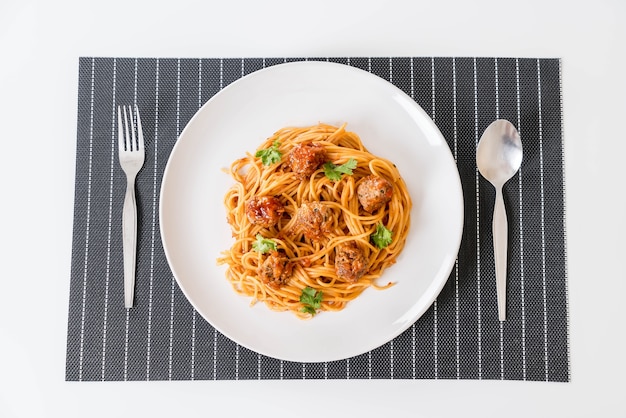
[(459, 337)]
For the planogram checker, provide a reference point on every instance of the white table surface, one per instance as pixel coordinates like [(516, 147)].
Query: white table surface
[(40, 42)]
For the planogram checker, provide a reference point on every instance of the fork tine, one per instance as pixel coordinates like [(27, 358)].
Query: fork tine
[(133, 139), (140, 144), (120, 130), (127, 136)]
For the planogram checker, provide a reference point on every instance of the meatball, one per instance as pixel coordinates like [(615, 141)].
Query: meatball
[(264, 211), (304, 159), (350, 262), (374, 192), (276, 270), (313, 219)]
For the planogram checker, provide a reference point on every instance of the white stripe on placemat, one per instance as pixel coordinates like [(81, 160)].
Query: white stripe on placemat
[(127, 323), (107, 275), (193, 345), (500, 323), (221, 73), (413, 333), (413, 352), (369, 353), (193, 313), (214, 354), (391, 353), (391, 359), (237, 353), (497, 87), (435, 330), (237, 346), (521, 231), (543, 229), (81, 351), (154, 205), (215, 339), (478, 314), (456, 263), (172, 285)]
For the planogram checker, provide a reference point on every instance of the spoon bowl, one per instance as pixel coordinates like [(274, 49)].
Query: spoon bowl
[(498, 157)]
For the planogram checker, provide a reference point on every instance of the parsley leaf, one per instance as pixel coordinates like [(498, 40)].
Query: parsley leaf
[(263, 245), (270, 155), (311, 299), (334, 172), (382, 237)]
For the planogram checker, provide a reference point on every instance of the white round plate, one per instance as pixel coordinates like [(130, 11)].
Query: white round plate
[(235, 121)]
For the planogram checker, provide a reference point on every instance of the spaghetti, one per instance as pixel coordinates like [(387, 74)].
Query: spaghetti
[(298, 217)]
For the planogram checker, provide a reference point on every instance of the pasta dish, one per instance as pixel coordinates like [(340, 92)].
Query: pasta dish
[(316, 219)]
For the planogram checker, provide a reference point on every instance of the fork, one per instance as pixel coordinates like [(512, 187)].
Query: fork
[(132, 156)]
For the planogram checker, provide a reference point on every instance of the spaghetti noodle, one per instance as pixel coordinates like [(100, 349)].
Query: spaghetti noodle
[(298, 217)]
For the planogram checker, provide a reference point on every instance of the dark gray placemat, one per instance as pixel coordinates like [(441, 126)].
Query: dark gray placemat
[(459, 337)]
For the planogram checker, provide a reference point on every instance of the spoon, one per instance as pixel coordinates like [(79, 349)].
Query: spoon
[(499, 157)]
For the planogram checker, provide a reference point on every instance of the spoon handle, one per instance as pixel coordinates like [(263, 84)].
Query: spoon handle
[(500, 245)]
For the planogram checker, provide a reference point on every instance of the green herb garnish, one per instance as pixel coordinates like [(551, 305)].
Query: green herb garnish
[(263, 245), (311, 299), (382, 237), (270, 155), (334, 172)]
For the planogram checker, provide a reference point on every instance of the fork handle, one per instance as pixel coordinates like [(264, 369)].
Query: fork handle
[(129, 238), (500, 244)]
